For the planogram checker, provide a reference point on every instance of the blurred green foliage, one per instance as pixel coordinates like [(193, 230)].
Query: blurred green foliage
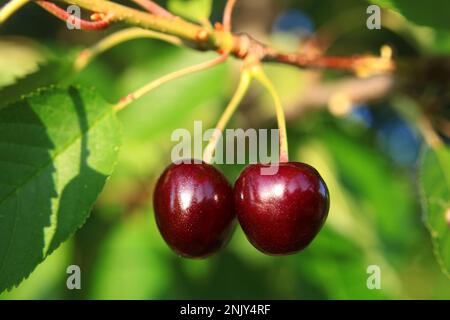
[(435, 192), (375, 216)]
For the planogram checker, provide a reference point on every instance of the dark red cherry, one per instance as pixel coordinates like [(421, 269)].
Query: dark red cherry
[(194, 209), (281, 213)]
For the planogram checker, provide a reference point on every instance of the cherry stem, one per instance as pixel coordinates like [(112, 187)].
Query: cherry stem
[(10, 8), (227, 16), (261, 76), (154, 8), (114, 39), (124, 102), (65, 16), (244, 84)]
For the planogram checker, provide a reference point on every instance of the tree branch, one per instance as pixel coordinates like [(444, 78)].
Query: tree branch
[(63, 15), (227, 15), (238, 45), (170, 25)]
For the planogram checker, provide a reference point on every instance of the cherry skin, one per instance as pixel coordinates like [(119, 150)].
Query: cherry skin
[(281, 213), (194, 209)]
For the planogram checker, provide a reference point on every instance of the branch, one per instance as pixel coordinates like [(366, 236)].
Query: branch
[(169, 25), (227, 16), (65, 16), (202, 37), (238, 45), (124, 102), (362, 65), (117, 38)]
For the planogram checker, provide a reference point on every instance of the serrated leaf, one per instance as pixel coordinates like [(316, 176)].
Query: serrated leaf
[(196, 10), (48, 74), (45, 281), (428, 13), (19, 57), (434, 174), (57, 148)]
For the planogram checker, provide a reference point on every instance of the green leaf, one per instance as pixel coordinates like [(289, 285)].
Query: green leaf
[(428, 13), (434, 174), (196, 10), (57, 148), (52, 72), (45, 281), (19, 57)]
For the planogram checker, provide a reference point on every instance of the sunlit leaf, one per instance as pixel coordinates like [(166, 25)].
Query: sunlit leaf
[(18, 57), (47, 280), (52, 72), (57, 148)]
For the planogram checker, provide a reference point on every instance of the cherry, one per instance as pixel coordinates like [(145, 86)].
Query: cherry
[(194, 209), (281, 213)]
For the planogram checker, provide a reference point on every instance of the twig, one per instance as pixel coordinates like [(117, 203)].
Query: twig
[(204, 38), (227, 16), (363, 65), (172, 76), (65, 16), (119, 13), (87, 55), (239, 45)]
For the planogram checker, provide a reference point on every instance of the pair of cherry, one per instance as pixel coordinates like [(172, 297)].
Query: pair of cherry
[(281, 213)]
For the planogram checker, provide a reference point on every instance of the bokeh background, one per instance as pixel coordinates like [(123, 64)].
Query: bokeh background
[(367, 154)]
